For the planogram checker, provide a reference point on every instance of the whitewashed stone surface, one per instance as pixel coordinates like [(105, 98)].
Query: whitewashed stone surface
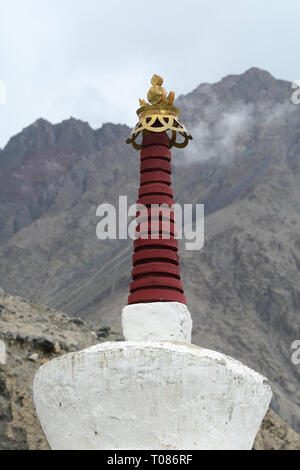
[(141, 395), (157, 321)]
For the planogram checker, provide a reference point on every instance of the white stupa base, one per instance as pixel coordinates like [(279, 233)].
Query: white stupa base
[(135, 395), (157, 321), (157, 394)]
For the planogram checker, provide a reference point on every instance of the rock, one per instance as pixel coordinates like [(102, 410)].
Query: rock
[(33, 357), (103, 332), (44, 344), (275, 434), (77, 321)]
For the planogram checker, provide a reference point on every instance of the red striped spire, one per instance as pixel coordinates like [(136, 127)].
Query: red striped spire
[(156, 272)]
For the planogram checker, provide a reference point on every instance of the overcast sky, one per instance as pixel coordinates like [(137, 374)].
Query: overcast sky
[(92, 59)]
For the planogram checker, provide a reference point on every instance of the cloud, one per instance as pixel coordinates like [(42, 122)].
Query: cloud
[(218, 132)]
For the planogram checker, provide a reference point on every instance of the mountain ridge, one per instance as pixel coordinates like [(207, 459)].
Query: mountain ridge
[(35, 334), (243, 287)]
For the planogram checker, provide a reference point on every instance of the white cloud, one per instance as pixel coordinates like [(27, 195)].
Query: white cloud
[(217, 134)]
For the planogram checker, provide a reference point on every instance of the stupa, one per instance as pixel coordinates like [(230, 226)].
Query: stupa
[(155, 390)]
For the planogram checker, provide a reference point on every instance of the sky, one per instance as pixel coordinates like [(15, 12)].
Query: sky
[(93, 59)]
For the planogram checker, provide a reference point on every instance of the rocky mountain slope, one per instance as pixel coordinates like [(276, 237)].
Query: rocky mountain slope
[(34, 334), (243, 287)]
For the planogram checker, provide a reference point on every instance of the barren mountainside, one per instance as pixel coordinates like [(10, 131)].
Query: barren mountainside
[(34, 334), (243, 287)]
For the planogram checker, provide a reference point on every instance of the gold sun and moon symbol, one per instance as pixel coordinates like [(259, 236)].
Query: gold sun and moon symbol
[(157, 94), (159, 115)]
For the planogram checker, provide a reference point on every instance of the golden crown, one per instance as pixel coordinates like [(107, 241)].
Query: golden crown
[(159, 115)]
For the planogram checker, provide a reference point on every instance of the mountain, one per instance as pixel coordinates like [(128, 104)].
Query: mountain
[(243, 287), (35, 334)]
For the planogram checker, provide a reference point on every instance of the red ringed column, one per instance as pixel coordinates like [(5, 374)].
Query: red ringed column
[(156, 272)]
